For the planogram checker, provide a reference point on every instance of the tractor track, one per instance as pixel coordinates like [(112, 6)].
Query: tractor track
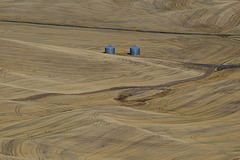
[(135, 89)]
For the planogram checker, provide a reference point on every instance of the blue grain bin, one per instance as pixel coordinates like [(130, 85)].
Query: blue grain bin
[(110, 49), (135, 51)]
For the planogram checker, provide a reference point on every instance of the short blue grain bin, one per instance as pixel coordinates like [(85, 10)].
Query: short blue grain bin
[(110, 49), (135, 51)]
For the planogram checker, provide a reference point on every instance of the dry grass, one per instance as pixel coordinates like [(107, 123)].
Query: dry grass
[(167, 15), (54, 81)]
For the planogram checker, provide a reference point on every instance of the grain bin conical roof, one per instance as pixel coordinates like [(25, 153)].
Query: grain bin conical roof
[(110, 49), (135, 51)]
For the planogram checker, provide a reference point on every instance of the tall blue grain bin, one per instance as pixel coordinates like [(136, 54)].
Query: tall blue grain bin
[(110, 49), (135, 51)]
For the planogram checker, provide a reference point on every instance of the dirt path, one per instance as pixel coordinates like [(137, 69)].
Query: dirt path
[(120, 29), (134, 89)]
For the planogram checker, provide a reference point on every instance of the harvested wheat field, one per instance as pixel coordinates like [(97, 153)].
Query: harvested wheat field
[(62, 98)]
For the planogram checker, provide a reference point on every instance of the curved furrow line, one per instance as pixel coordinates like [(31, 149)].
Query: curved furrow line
[(48, 143), (18, 109), (186, 18), (232, 53), (54, 124), (11, 147), (221, 17), (22, 148), (3, 72), (233, 21), (201, 18), (169, 132), (129, 6), (179, 4), (215, 50), (212, 106), (232, 11), (195, 137)]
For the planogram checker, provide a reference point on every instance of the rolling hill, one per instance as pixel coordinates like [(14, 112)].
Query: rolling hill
[(61, 97)]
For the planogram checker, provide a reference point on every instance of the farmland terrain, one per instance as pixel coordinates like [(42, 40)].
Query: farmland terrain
[(61, 97)]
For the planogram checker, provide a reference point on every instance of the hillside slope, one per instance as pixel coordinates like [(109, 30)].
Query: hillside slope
[(61, 97), (186, 122), (164, 15)]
